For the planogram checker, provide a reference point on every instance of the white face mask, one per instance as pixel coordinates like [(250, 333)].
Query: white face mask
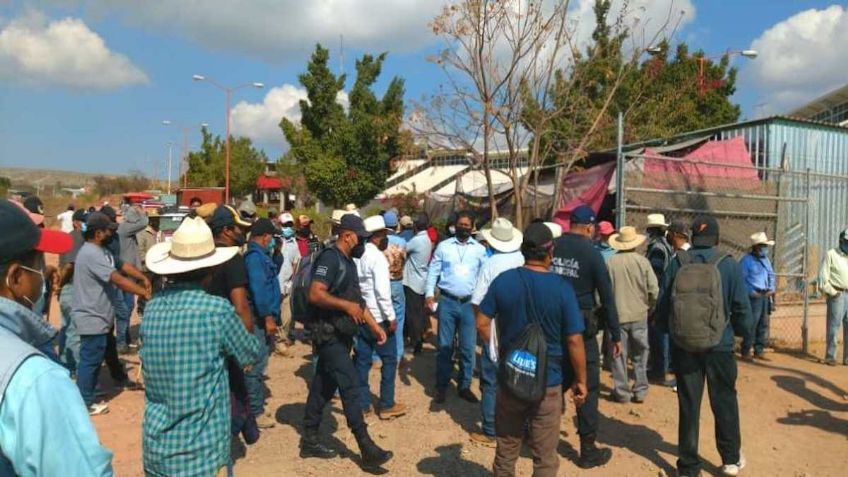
[(38, 305)]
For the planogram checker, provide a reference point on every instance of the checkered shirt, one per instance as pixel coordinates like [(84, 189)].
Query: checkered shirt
[(186, 336)]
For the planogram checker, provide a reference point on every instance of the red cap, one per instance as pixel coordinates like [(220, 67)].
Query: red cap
[(54, 241), (605, 228)]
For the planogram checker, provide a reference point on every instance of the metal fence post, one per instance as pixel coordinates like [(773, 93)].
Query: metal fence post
[(805, 337), (619, 176)]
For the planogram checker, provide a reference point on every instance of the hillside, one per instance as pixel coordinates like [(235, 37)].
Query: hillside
[(47, 177)]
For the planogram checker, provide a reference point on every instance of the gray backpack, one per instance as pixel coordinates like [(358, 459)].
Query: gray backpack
[(697, 320)]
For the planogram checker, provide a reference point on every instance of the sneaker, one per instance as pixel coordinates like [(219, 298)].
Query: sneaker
[(399, 409), (734, 469), (483, 439), (639, 399), (97, 409), (264, 421), (468, 395)]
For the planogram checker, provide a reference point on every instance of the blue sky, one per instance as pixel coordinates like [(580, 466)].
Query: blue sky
[(85, 85)]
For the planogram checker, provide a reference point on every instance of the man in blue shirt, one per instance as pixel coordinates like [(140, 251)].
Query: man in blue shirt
[(552, 303), (759, 279), (455, 267), (44, 427), (418, 252), (264, 293), (505, 240)]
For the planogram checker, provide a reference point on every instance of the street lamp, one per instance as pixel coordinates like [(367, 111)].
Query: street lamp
[(184, 155), (703, 87), (229, 92)]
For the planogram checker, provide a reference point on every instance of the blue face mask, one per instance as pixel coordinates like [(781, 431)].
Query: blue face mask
[(271, 245), (844, 246), (763, 251), (288, 232), (84, 227)]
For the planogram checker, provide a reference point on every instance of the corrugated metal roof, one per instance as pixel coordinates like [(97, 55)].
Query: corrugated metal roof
[(822, 103)]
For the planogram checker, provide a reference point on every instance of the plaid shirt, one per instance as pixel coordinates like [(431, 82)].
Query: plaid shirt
[(186, 336)]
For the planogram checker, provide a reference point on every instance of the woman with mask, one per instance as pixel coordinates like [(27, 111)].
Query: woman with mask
[(33, 385), (760, 281)]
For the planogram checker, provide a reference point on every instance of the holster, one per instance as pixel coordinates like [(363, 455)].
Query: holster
[(591, 322)]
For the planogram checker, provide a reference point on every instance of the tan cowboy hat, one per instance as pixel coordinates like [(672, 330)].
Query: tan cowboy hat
[(206, 210), (656, 220), (626, 239), (760, 238), (191, 248), (503, 237)]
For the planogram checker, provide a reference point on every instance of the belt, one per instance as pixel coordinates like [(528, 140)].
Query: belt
[(461, 299)]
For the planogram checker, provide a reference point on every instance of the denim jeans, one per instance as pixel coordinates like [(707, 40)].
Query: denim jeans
[(123, 312), (455, 317), (488, 391), (69, 341), (366, 345), (837, 312), (760, 312), (399, 304), (253, 379), (659, 360), (92, 353)]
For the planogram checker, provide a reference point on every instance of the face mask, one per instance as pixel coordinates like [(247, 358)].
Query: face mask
[(238, 239), (288, 232), (763, 252), (463, 233), (384, 243), (304, 232), (452, 230), (843, 246), (37, 306), (110, 239), (271, 245), (358, 249), (84, 227), (489, 252)]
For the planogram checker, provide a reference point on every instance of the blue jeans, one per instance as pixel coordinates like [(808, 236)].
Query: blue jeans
[(659, 360), (123, 312), (488, 390), (455, 317), (837, 313), (366, 346), (399, 304), (253, 378), (69, 341), (760, 312), (92, 353)]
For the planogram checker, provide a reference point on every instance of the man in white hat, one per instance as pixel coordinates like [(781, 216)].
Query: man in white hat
[(659, 254), (760, 280), (374, 282), (188, 335), (636, 288), (505, 241), (833, 283)]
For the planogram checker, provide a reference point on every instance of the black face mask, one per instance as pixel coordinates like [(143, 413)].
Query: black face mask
[(384, 243), (303, 232), (110, 239), (462, 233), (356, 252), (238, 239)]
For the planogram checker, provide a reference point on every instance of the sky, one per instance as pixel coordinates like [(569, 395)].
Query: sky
[(86, 84)]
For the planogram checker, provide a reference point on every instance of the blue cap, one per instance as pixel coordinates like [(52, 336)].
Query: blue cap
[(583, 214), (391, 219)]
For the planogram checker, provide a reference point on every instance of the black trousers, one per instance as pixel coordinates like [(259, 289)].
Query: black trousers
[(335, 370), (415, 323), (719, 369), (116, 368), (587, 414)]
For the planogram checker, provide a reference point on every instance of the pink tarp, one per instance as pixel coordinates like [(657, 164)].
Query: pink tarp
[(662, 172), (586, 187)]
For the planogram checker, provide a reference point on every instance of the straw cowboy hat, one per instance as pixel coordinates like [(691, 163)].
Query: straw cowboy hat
[(503, 237), (656, 220), (191, 248), (626, 239), (556, 229), (760, 238)]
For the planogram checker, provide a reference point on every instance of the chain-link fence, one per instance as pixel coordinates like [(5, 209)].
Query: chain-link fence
[(745, 200)]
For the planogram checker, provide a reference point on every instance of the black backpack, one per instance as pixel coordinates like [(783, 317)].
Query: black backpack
[(523, 370), (302, 280)]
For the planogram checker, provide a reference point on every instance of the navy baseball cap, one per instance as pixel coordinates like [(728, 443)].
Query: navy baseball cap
[(354, 224), (584, 215), (80, 215), (705, 231), (99, 221), (263, 226)]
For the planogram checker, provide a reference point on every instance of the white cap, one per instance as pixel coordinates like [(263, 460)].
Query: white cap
[(375, 223), (556, 229), (285, 217)]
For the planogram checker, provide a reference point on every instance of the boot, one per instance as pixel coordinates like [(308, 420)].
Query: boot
[(373, 457), (310, 446), (591, 455)]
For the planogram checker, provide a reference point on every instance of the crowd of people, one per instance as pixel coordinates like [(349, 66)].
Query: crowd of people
[(548, 308)]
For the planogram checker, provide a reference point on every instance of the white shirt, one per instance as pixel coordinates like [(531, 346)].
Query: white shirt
[(291, 258), (375, 283), (66, 221)]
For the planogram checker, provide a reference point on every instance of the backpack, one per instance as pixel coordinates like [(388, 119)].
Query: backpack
[(523, 369), (302, 280), (697, 320)]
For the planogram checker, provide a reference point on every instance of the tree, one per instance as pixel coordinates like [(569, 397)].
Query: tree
[(345, 155), (207, 166)]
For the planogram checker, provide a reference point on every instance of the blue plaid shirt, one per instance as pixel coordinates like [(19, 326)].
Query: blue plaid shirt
[(186, 335)]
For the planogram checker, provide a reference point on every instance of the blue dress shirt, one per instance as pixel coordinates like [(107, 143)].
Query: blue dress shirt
[(455, 267)]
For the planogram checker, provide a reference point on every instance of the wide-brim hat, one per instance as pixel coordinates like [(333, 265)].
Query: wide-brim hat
[(626, 239), (760, 238), (656, 220), (192, 247), (503, 237)]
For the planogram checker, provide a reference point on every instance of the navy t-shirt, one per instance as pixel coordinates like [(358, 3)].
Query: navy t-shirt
[(556, 307)]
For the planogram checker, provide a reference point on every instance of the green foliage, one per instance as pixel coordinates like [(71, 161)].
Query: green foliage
[(134, 182), (207, 166), (5, 185), (345, 155)]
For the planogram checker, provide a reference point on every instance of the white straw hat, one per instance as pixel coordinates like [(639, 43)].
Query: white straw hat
[(626, 239), (375, 223), (503, 237), (760, 238), (556, 229), (191, 248), (656, 220)]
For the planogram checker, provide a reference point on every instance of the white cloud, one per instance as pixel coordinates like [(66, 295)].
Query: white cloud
[(644, 18), (800, 58), (260, 121), (272, 28), (62, 52)]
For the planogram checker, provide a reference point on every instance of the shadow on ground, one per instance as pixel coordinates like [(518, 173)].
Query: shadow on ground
[(450, 463)]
